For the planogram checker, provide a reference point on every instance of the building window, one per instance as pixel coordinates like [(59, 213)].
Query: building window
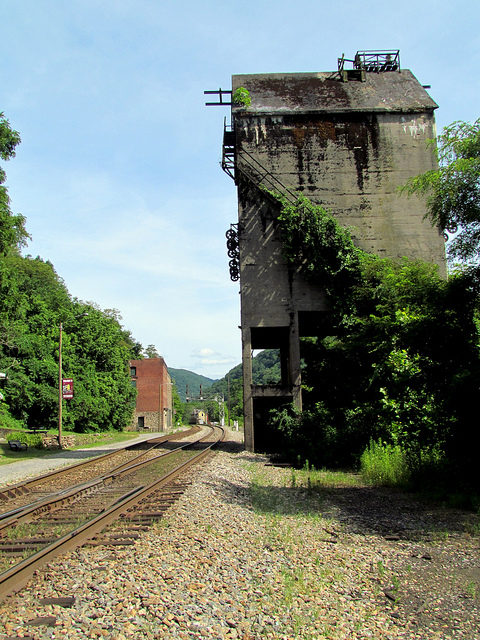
[(134, 383), (141, 422), (133, 371)]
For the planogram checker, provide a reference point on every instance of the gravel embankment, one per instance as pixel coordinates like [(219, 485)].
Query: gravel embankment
[(236, 560)]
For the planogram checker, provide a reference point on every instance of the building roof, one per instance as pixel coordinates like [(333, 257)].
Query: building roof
[(283, 93)]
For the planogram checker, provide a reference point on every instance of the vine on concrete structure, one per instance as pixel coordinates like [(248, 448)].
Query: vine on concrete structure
[(323, 250)]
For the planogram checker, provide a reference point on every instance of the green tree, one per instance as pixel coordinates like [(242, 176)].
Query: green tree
[(178, 406), (453, 190), (96, 350), (12, 227), (151, 351), (32, 299), (324, 251)]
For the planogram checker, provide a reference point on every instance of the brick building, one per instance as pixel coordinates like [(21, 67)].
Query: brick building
[(153, 409)]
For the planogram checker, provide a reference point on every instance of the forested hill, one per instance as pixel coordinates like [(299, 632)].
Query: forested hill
[(265, 370), (184, 378)]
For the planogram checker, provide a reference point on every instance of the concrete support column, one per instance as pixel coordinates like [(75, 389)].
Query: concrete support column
[(284, 364), (247, 389), (294, 360)]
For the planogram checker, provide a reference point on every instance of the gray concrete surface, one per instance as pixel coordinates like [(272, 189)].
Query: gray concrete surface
[(17, 471)]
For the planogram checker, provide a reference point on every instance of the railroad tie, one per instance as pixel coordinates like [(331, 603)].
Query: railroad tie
[(62, 601), (47, 621)]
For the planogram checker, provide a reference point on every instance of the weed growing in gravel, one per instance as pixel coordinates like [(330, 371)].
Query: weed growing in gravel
[(472, 589), (325, 573), (266, 497), (293, 583), (439, 535), (395, 586), (23, 530), (328, 632), (472, 526), (259, 496), (380, 568), (317, 479), (293, 478), (284, 499), (315, 518), (335, 479), (297, 583), (271, 531), (302, 624), (385, 465)]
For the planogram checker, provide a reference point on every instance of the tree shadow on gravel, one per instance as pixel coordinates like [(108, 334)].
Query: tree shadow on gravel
[(361, 510), (231, 446)]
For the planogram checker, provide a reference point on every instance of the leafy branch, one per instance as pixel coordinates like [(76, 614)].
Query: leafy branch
[(324, 252)]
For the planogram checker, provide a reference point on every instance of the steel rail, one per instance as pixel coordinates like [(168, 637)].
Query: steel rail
[(15, 578), (31, 482), (59, 498)]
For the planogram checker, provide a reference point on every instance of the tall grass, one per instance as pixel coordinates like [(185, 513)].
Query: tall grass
[(385, 464)]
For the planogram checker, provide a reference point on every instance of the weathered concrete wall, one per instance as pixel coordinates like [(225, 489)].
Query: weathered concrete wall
[(353, 164), (270, 292), (348, 146)]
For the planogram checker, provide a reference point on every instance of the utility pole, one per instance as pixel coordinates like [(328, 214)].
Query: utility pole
[(60, 387), (228, 398), (60, 378)]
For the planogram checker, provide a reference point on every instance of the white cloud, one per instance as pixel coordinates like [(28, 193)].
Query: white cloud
[(203, 353), (208, 358)]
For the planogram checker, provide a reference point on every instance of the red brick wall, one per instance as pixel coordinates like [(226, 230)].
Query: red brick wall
[(152, 382)]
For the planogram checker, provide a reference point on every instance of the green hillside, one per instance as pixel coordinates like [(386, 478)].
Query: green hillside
[(265, 370), (184, 378)]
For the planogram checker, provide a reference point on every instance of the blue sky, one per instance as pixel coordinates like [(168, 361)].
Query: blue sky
[(118, 171)]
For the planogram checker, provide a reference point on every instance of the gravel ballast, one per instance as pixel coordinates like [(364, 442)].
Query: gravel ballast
[(246, 553)]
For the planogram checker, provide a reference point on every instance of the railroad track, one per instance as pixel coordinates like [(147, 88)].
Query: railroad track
[(111, 509), (22, 493)]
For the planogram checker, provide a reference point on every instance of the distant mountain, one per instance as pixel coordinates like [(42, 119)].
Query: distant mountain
[(265, 370), (184, 378)]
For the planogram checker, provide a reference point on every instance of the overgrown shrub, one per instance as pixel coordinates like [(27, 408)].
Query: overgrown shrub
[(241, 96), (400, 364), (6, 420), (32, 440)]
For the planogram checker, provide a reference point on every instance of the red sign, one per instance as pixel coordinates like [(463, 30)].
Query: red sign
[(67, 388)]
